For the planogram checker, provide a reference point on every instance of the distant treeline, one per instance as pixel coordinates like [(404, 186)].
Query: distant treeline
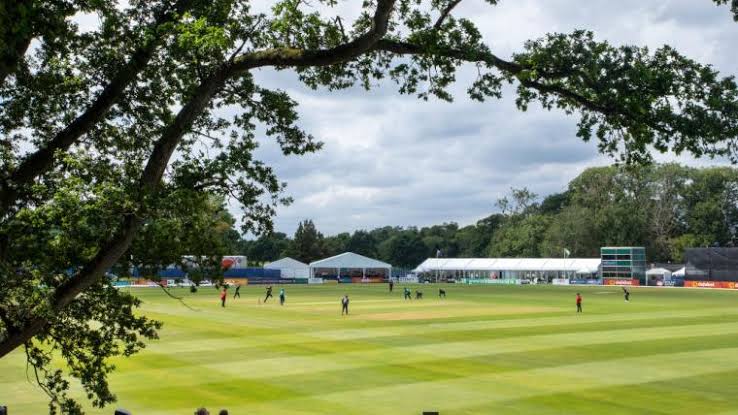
[(665, 208)]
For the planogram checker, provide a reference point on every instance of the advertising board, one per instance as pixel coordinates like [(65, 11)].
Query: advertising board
[(359, 280), (585, 282), (618, 281), (711, 284), (501, 281)]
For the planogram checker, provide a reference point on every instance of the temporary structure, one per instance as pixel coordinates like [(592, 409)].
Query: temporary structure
[(350, 261), (659, 272), (290, 268), (573, 265)]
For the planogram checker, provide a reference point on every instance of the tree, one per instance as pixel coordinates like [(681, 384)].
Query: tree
[(362, 243), (520, 237), (267, 248), (93, 117), (572, 229), (554, 203), (194, 225), (473, 241), (440, 237), (336, 244), (668, 183), (712, 206), (521, 201), (308, 244), (405, 249)]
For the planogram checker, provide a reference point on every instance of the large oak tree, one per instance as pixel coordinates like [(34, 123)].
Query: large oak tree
[(100, 127)]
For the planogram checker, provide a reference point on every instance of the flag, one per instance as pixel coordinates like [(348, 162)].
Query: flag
[(566, 253)]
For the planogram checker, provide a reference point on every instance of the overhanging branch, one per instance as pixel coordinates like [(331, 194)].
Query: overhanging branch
[(514, 69), (150, 180), (444, 14), (320, 57), (42, 160)]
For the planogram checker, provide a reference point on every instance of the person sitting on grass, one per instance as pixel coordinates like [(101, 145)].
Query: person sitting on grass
[(441, 293), (202, 411)]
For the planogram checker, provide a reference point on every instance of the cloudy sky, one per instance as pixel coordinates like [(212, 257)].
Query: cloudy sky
[(394, 160)]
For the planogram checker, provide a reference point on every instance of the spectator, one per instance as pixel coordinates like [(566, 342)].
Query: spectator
[(202, 411), (223, 412)]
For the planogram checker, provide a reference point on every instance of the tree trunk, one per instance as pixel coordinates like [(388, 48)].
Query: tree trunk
[(117, 246)]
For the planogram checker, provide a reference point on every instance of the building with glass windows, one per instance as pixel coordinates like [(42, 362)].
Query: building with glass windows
[(623, 262)]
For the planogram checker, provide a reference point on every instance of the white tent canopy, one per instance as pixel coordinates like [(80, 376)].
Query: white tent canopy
[(680, 272), (290, 268), (660, 272), (577, 265), (349, 260)]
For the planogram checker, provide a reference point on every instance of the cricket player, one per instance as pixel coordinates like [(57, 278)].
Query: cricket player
[(344, 305)]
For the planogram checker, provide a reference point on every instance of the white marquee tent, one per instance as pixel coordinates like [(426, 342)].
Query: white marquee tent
[(290, 268), (510, 265), (349, 260), (659, 272)]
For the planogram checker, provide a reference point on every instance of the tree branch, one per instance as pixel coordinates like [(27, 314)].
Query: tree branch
[(444, 13), (149, 184), (16, 31), (42, 160), (150, 180), (510, 68), (406, 48), (9, 325), (13, 57), (322, 57)]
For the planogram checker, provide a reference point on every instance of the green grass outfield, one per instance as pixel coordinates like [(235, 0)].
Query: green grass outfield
[(483, 350)]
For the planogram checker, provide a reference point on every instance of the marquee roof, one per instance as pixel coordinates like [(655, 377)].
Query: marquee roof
[(285, 263), (509, 264), (349, 260)]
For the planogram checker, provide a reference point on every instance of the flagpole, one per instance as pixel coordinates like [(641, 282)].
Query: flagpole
[(438, 270)]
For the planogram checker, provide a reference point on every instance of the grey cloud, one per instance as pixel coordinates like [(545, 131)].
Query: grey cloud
[(394, 160)]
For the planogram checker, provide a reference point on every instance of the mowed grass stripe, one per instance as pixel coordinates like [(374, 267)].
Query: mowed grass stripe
[(486, 388), (245, 368), (294, 345), (571, 320), (683, 395), (236, 337), (393, 374)]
